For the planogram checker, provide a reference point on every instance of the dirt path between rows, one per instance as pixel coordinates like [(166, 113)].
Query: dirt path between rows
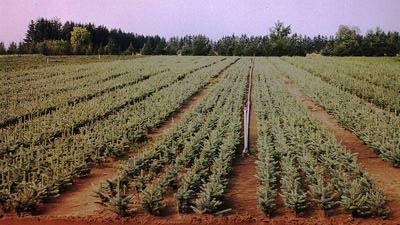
[(384, 175), (241, 194), (176, 116), (80, 201), (242, 190)]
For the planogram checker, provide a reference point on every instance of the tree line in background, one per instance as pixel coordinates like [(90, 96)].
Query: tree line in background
[(51, 37)]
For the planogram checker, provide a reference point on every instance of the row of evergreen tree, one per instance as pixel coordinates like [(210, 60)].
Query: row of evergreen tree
[(51, 37)]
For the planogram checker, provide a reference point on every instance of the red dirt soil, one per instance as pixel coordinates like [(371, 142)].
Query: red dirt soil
[(177, 115), (181, 220), (79, 199), (78, 202), (242, 190), (385, 176), (241, 197)]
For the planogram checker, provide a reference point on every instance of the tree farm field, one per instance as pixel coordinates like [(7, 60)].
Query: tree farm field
[(199, 140)]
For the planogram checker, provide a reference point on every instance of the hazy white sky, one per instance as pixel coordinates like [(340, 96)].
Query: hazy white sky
[(214, 18)]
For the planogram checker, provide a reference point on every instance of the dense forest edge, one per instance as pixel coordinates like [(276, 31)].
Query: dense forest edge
[(52, 37)]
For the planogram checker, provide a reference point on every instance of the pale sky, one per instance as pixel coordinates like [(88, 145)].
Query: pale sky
[(214, 18)]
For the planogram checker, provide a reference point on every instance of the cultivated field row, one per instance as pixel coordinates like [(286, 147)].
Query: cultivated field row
[(378, 128), (302, 163), (48, 166), (302, 166), (53, 125), (39, 100), (187, 167), (377, 84)]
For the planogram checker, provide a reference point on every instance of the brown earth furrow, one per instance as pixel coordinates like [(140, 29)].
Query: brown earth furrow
[(384, 175), (242, 190), (79, 200)]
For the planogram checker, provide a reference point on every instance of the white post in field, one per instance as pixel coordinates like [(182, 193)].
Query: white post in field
[(246, 114)]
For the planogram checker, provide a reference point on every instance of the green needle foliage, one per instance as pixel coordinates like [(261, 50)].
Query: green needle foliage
[(267, 176), (209, 199), (323, 194), (293, 194), (292, 145), (113, 194), (151, 199)]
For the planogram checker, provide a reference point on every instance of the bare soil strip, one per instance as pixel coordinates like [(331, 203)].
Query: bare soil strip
[(79, 201), (176, 116), (242, 190), (370, 102), (384, 175), (241, 195), (45, 111)]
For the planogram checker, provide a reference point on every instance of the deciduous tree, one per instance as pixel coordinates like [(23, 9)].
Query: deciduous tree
[(80, 39)]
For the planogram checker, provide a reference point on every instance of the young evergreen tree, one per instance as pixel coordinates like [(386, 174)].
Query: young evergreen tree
[(172, 46), (147, 50), (89, 49), (12, 49), (2, 49), (130, 50), (280, 40), (186, 50), (201, 45), (100, 50), (160, 48), (111, 47)]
